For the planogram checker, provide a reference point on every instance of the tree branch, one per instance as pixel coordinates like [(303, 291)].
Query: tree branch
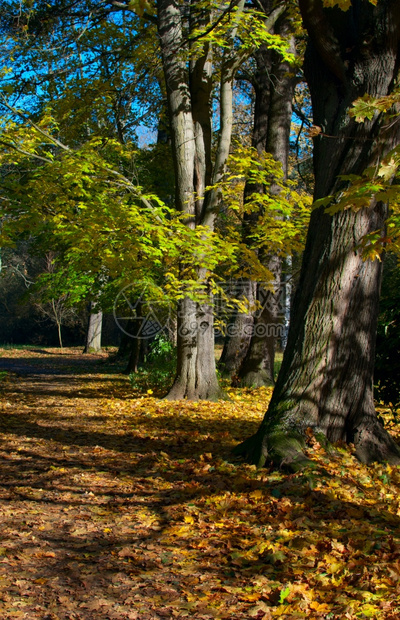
[(19, 150), (323, 37), (38, 129)]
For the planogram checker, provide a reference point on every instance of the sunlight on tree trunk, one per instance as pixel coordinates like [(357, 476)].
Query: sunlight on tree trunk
[(326, 381)]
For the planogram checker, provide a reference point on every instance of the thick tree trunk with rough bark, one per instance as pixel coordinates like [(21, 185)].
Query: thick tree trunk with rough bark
[(239, 330), (188, 94), (189, 88), (196, 377), (326, 379)]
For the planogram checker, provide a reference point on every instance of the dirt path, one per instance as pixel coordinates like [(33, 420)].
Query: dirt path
[(71, 361), (86, 503), (57, 511)]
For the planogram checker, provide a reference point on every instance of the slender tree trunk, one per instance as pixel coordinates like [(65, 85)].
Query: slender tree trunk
[(326, 379), (237, 343), (257, 368), (134, 357), (239, 332), (135, 347), (125, 344), (58, 320), (93, 334), (274, 87), (59, 334)]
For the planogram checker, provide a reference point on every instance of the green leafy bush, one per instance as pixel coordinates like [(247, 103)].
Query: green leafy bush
[(158, 371), (387, 363)]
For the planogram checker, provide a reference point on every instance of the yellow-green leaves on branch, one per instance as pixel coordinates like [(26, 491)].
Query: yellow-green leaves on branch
[(283, 215), (342, 4), (368, 106)]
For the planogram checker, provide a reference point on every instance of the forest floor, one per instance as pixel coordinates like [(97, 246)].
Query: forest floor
[(116, 505)]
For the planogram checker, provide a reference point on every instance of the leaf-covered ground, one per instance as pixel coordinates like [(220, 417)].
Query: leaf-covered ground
[(120, 506)]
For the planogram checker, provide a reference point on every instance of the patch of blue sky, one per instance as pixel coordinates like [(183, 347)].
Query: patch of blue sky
[(73, 61)]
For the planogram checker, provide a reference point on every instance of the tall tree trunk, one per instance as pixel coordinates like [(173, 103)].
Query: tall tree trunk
[(257, 368), (274, 87), (237, 342), (190, 132), (134, 357), (189, 89), (239, 330), (58, 319), (136, 327), (326, 379), (93, 334)]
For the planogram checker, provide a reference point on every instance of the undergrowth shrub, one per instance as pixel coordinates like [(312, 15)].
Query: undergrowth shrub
[(158, 371), (387, 362)]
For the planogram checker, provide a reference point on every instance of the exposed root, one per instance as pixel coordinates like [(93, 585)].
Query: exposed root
[(374, 443), (283, 450)]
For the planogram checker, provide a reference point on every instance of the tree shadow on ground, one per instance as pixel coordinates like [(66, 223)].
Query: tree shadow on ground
[(52, 363), (140, 517), (130, 541)]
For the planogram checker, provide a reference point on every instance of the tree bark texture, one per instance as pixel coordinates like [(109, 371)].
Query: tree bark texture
[(326, 379), (239, 331), (189, 101), (196, 377), (93, 334), (189, 89), (239, 337), (274, 88), (257, 368)]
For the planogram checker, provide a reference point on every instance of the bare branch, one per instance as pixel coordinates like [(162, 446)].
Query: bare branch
[(38, 129)]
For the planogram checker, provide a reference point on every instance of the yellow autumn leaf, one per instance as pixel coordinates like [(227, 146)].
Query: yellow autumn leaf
[(319, 607), (368, 611), (254, 596), (388, 169), (281, 610), (189, 519), (257, 494), (332, 564)]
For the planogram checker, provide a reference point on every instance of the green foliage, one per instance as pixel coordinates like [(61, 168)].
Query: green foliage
[(282, 214), (387, 366), (379, 183), (159, 368), (105, 229), (77, 182), (245, 29)]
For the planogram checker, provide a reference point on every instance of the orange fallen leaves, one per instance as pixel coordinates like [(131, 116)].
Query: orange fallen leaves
[(123, 507)]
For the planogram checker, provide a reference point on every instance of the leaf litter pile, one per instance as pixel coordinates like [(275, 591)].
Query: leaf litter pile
[(117, 505)]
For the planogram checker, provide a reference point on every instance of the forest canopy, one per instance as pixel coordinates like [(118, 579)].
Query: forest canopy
[(166, 147)]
